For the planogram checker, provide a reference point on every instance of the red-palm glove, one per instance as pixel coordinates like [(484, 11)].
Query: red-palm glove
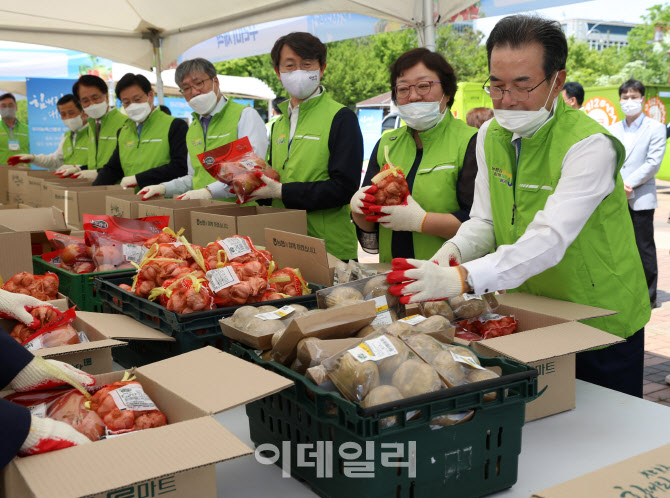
[(20, 158), (49, 435), (19, 306), (362, 200), (42, 374), (419, 281)]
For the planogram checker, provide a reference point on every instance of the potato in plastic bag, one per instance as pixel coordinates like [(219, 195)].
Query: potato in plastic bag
[(437, 308), (353, 378), (414, 377), (379, 286), (380, 395), (341, 295)]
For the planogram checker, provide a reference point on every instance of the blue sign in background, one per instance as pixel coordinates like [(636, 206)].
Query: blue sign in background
[(46, 126), (370, 121)]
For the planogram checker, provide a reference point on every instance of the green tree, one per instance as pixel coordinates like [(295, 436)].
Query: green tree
[(22, 111), (586, 66), (653, 56), (464, 51)]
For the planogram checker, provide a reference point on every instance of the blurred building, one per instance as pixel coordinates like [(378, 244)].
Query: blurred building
[(598, 34)]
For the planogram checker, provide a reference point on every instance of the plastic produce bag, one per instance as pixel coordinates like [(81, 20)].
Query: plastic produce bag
[(392, 188), (471, 305), (235, 249), (42, 287), (486, 326)]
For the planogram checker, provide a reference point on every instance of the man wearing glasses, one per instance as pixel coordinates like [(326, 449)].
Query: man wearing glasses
[(104, 124), (549, 201), (217, 121), (316, 146)]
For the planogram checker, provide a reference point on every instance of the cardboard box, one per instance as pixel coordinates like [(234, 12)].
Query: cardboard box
[(647, 474), (16, 253), (224, 221), (182, 454), (49, 184), (35, 221), (105, 331), (303, 252), (77, 201), (123, 205), (4, 179), (178, 211), (548, 337)]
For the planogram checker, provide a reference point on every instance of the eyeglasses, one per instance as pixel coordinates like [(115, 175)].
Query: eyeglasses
[(305, 65), (630, 97), (421, 88), (93, 99), (518, 94), (196, 85)]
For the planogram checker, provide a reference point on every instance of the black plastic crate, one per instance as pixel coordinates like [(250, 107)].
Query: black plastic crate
[(473, 458)]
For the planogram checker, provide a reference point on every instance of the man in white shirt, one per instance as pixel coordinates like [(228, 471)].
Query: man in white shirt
[(644, 139), (549, 202), (73, 147)]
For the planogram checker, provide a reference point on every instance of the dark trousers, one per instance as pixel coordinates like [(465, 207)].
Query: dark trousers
[(643, 224), (619, 367)]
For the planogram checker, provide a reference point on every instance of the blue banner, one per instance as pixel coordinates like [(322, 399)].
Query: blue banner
[(46, 126), (370, 121)]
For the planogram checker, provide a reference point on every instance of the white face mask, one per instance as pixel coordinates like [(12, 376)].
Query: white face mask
[(631, 107), (525, 123), (421, 116), (7, 113), (138, 112), (74, 124), (96, 111), (301, 84), (203, 104)]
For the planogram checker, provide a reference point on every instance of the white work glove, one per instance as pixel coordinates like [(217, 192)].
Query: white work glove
[(42, 374), (271, 190), (417, 281), (129, 181), (86, 174), (68, 170), (201, 193), (21, 158), (152, 191), (18, 307), (362, 198), (405, 217), (50, 435), (448, 255)]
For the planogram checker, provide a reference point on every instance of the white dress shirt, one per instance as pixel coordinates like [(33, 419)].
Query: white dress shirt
[(55, 159), (587, 177), (630, 132), (250, 125)]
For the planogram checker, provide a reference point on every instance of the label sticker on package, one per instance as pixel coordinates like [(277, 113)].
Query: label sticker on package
[(383, 312), (83, 337), (222, 278), (468, 360), (35, 344), (471, 297), (235, 246), (277, 314), (134, 253), (132, 397), (375, 349), (413, 320), (39, 411), (176, 244), (250, 164)]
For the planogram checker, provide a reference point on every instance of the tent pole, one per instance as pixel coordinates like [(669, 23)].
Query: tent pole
[(156, 43), (428, 25)]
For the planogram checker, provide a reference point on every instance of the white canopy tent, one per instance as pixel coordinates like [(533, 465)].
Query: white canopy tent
[(145, 33)]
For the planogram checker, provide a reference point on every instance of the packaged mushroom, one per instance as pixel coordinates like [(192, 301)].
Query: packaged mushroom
[(256, 326)]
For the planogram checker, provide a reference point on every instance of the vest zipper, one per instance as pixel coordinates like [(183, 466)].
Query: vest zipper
[(513, 211)]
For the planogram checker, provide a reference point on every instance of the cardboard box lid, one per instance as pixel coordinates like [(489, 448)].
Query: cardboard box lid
[(554, 307), (33, 220), (300, 251), (78, 348), (95, 468), (216, 391), (550, 342), (122, 327), (633, 477)]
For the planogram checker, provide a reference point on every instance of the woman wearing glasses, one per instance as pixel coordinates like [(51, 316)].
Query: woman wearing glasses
[(436, 153)]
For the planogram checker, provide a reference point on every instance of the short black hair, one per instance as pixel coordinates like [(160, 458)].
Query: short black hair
[(632, 84), (130, 79), (5, 96), (165, 109), (69, 98), (433, 61), (90, 80), (518, 30), (275, 104), (576, 90), (305, 45)]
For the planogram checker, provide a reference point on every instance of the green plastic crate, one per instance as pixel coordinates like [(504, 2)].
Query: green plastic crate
[(79, 288), (474, 458)]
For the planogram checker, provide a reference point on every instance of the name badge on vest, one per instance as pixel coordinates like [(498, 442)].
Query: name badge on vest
[(281, 139), (197, 142), (14, 145), (130, 144), (503, 176)]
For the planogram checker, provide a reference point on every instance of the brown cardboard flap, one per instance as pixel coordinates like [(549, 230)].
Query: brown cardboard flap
[(125, 460), (77, 348), (300, 251), (550, 342), (224, 381), (122, 327), (642, 475), (33, 220), (548, 306)]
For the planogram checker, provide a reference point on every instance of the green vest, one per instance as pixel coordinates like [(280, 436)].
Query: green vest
[(98, 155), (222, 129), (436, 178), (20, 133), (308, 162), (602, 266), (151, 149), (76, 153)]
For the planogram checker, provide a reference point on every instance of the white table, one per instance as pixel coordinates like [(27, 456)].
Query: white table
[(605, 428)]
